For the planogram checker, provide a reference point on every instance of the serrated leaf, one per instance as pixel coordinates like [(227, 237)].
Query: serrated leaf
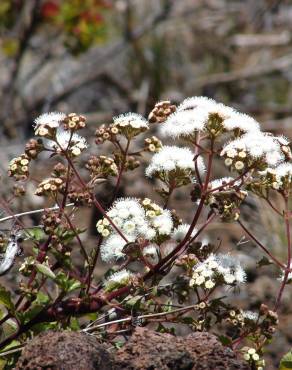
[(5, 299)]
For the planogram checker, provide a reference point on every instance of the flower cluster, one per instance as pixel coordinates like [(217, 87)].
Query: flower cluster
[(130, 124), (161, 111), (58, 130), (118, 280), (47, 124), (81, 196), (254, 150), (225, 197), (18, 167), (106, 133), (204, 114), (253, 358), (152, 144), (278, 178), (50, 220), (74, 122), (172, 163), (136, 219), (33, 147), (101, 166), (49, 186), (67, 141), (217, 270)]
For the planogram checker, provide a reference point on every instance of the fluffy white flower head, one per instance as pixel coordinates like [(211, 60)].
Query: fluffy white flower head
[(195, 102), (222, 265), (120, 277), (170, 158), (134, 221), (180, 232), (184, 123), (241, 121), (224, 181), (257, 145), (133, 120), (192, 115), (52, 119)]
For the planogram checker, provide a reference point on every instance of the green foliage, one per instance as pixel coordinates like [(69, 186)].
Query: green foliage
[(286, 361), (66, 284), (5, 299)]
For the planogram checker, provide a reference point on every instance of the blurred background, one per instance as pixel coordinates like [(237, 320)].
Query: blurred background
[(104, 57)]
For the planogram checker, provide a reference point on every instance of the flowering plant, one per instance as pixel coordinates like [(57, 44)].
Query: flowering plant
[(162, 270)]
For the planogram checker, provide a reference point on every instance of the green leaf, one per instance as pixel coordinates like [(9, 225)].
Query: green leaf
[(36, 233), (5, 299), (286, 362), (42, 298), (45, 270), (134, 302), (187, 320), (74, 324), (224, 340), (67, 284), (74, 284), (41, 301)]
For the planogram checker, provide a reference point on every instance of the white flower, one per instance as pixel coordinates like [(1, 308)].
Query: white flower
[(284, 170), (163, 223), (246, 356), (239, 165), (129, 227), (111, 248), (257, 145), (133, 120), (171, 158), (224, 181), (200, 280), (133, 221), (229, 278), (150, 250), (222, 265), (241, 121), (228, 162), (121, 277), (255, 357), (231, 265), (52, 119), (192, 115), (197, 102), (64, 138), (184, 123), (180, 232), (209, 284), (289, 278), (250, 315)]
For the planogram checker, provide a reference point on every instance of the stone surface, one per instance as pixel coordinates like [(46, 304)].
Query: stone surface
[(64, 351), (148, 350)]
